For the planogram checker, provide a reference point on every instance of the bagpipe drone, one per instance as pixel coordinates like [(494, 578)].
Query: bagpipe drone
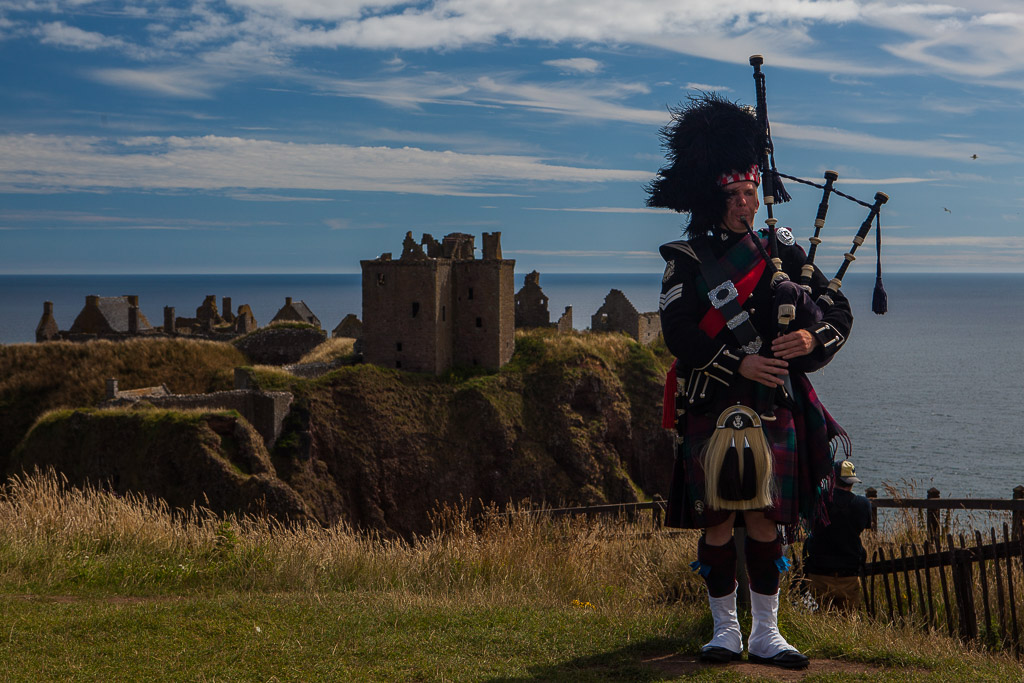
[(774, 192)]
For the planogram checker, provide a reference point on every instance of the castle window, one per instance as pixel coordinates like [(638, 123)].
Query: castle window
[(380, 279), (398, 346), (444, 310), (479, 322), (398, 364), (415, 308), (470, 292)]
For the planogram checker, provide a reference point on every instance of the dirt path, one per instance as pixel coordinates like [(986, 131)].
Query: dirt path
[(684, 666)]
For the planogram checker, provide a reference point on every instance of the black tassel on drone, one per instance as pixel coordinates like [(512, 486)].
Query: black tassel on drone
[(778, 189), (879, 299)]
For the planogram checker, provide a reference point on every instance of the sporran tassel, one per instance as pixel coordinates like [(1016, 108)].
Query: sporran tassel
[(737, 459)]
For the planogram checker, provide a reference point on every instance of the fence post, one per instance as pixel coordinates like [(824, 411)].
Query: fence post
[(1018, 516), (870, 493), (656, 511), (933, 516)]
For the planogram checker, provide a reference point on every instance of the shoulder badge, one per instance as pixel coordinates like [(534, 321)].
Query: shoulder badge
[(670, 269), (785, 236)]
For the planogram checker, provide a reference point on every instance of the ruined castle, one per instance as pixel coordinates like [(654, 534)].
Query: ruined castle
[(435, 307), (438, 306)]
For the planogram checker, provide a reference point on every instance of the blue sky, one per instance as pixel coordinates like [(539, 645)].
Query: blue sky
[(296, 136)]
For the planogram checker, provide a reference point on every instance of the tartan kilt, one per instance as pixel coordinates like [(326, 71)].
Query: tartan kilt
[(802, 458)]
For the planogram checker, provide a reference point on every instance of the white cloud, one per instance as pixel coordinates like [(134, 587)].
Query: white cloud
[(604, 209), (178, 82), (252, 197), (593, 101), (958, 39), (707, 88), (584, 253), (77, 220), (873, 144), (987, 243), (582, 65), (60, 34), (884, 181), (214, 163)]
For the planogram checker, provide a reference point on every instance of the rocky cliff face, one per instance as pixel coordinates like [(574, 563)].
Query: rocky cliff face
[(382, 448), (212, 460), (574, 419)]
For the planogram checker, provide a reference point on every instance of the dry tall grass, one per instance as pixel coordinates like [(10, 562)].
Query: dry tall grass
[(331, 350), (88, 539)]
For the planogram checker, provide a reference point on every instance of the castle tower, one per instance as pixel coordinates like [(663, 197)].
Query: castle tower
[(438, 306), (485, 307)]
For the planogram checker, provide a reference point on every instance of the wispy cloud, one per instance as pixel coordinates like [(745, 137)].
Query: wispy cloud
[(60, 34), (178, 82), (581, 65), (705, 87), (601, 209), (48, 220), (881, 182), (349, 224), (263, 197), (873, 144), (585, 253), (214, 163)]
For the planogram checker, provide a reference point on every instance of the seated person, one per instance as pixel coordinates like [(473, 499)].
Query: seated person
[(833, 553)]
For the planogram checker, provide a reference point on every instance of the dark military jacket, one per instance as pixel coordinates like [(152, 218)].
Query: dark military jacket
[(708, 367)]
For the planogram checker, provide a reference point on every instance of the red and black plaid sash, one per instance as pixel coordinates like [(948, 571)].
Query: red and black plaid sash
[(742, 265)]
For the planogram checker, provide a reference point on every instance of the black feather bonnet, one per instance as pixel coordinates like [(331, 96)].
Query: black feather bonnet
[(708, 136)]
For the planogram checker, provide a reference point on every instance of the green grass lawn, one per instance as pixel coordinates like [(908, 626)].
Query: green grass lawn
[(397, 636), (351, 636)]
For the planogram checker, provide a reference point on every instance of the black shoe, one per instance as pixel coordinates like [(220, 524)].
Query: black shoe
[(787, 659), (717, 655)]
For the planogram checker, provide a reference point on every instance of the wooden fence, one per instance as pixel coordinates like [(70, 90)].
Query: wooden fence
[(933, 505), (970, 592)]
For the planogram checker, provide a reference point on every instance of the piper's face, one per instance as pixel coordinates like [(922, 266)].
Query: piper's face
[(741, 204)]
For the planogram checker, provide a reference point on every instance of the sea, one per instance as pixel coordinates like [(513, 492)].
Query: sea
[(930, 393)]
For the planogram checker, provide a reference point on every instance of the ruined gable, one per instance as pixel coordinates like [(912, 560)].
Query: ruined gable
[(296, 311), (110, 315), (617, 314), (532, 303)]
